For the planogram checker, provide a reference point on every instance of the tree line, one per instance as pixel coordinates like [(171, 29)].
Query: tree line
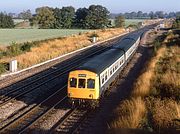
[(6, 21), (94, 17), (142, 15)]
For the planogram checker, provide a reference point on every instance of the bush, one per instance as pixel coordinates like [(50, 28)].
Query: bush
[(13, 50), (3, 67), (94, 35), (156, 45), (26, 47)]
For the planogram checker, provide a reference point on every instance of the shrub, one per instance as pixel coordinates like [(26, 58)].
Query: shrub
[(164, 112), (156, 45), (13, 50), (3, 67), (94, 35), (26, 47)]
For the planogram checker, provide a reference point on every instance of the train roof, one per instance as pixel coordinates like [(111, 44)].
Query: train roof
[(127, 42), (100, 62)]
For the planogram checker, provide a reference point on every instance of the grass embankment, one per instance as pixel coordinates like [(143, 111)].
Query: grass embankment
[(154, 104), (28, 54)]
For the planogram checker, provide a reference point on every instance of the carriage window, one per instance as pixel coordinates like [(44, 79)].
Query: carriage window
[(113, 68), (73, 82), (111, 72), (102, 80), (106, 76), (82, 83), (116, 66), (91, 83)]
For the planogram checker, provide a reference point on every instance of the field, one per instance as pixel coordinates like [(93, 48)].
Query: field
[(130, 21), (7, 36), (38, 52)]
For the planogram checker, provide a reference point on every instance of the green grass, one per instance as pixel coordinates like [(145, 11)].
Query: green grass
[(132, 21), (129, 21), (7, 36)]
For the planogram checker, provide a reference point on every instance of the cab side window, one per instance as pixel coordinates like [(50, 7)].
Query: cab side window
[(91, 83), (73, 82)]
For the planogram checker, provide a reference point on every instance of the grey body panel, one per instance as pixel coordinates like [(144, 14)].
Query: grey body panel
[(100, 62)]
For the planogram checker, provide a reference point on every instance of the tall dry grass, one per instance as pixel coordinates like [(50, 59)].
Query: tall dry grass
[(50, 49), (143, 84), (165, 114), (154, 112), (129, 114)]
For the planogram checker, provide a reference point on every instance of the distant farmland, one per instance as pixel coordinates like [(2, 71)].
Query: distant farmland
[(129, 21), (7, 36), (133, 21)]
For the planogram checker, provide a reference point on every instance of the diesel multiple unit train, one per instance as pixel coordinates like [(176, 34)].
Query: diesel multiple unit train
[(88, 83)]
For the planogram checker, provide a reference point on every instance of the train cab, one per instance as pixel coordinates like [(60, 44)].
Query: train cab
[(83, 86)]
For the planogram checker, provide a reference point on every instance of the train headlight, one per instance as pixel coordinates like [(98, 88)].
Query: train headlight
[(91, 96)]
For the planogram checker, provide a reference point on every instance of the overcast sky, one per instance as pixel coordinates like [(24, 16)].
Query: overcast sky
[(114, 6)]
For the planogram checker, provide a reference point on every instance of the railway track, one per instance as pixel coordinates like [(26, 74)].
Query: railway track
[(72, 121), (22, 122), (34, 84)]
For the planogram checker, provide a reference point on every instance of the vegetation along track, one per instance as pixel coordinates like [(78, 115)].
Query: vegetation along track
[(33, 73)]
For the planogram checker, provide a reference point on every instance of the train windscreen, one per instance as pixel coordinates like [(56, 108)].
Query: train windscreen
[(91, 83), (73, 82), (82, 83)]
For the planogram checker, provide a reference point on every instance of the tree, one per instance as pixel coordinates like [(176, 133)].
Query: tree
[(58, 18), (120, 21), (80, 17), (97, 17), (6, 21), (171, 15), (139, 14), (44, 17), (67, 16), (177, 14), (160, 14), (151, 14), (25, 15)]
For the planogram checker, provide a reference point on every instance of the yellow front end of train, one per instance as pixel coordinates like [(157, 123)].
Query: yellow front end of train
[(83, 86)]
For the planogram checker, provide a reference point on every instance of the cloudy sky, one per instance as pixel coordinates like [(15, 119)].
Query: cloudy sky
[(114, 6)]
